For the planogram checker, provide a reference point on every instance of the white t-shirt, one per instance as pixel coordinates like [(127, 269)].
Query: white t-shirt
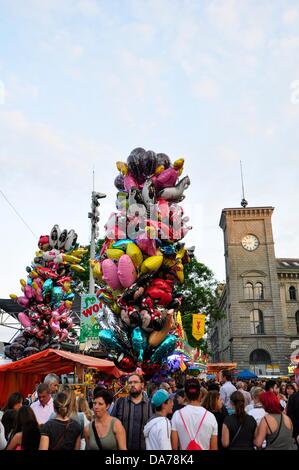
[(193, 416), (258, 413)]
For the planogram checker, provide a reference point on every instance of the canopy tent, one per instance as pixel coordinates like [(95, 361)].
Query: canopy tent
[(22, 375), (246, 374)]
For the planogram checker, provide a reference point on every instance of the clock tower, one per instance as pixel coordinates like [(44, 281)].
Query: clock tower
[(252, 332)]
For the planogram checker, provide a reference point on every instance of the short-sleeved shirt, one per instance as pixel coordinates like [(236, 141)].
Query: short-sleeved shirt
[(55, 429), (193, 416), (244, 439)]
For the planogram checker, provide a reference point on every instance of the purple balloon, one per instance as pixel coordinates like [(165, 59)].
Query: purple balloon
[(163, 159), (134, 164), (119, 182), (148, 163)]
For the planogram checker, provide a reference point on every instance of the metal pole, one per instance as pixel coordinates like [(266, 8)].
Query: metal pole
[(92, 256), (94, 217)]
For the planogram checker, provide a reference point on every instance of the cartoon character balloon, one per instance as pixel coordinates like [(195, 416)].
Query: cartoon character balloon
[(141, 262), (48, 295)]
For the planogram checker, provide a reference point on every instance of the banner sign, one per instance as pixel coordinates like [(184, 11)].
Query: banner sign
[(198, 325), (89, 327)]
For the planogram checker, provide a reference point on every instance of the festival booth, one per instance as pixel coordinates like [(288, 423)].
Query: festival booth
[(23, 375), (215, 369)]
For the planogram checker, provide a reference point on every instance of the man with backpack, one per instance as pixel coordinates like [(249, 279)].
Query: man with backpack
[(193, 427)]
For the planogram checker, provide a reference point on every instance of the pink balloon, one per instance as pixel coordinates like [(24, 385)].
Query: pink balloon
[(29, 292), (55, 327), (110, 276), (39, 295), (63, 334), (147, 245), (24, 320), (130, 182), (55, 315), (23, 301), (166, 179), (126, 271)]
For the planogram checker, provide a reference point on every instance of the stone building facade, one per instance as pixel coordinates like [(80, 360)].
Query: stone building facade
[(260, 300)]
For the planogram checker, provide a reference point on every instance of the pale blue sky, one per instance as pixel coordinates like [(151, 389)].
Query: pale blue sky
[(86, 81)]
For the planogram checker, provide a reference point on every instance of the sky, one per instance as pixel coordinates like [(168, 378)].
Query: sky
[(83, 82)]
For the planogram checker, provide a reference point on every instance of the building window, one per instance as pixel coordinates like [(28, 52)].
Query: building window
[(297, 321), (293, 293), (259, 356), (248, 291), (259, 359), (256, 323), (259, 291)]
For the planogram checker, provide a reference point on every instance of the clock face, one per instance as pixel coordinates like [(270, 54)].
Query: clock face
[(250, 242)]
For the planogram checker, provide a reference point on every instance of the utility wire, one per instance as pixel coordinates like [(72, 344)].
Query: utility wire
[(19, 215)]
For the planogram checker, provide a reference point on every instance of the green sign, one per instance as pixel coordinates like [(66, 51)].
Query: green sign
[(89, 327)]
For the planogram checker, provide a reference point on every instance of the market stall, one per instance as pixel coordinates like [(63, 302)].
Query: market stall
[(216, 368), (23, 375)]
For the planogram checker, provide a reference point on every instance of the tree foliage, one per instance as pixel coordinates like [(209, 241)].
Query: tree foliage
[(199, 296)]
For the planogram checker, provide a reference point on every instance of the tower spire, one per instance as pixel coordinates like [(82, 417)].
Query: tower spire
[(244, 203)]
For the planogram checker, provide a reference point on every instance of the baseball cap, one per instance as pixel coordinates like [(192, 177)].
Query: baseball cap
[(160, 397)]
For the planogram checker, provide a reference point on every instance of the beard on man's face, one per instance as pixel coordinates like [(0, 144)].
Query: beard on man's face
[(135, 393)]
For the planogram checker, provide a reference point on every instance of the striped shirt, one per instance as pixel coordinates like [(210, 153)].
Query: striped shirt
[(133, 417)]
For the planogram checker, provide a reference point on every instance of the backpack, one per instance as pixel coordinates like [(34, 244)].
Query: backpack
[(192, 445)]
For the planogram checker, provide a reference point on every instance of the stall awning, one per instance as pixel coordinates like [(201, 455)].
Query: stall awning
[(59, 362), (21, 376)]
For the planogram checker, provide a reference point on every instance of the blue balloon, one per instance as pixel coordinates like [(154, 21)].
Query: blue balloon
[(164, 349), (122, 244), (109, 341), (69, 296), (47, 286), (57, 296), (139, 342), (29, 281)]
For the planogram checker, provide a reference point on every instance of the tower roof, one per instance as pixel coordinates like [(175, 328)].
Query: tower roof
[(244, 211)]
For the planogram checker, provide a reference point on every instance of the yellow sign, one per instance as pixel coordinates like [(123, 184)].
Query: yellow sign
[(198, 325)]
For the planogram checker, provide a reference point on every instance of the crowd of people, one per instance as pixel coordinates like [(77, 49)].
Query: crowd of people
[(199, 415)]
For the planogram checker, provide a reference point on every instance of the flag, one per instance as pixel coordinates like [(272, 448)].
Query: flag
[(198, 325), (182, 364)]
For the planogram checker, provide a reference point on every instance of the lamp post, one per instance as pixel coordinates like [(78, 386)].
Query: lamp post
[(94, 216)]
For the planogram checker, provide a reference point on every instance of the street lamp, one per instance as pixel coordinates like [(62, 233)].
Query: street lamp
[(94, 216)]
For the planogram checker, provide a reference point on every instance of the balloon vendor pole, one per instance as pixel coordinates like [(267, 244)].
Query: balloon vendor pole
[(94, 215)]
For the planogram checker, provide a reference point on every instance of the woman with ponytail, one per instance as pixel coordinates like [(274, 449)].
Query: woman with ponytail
[(238, 429), (61, 432)]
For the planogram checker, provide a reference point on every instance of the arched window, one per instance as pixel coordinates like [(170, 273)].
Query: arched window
[(297, 321), (248, 291), (256, 323), (259, 291), (293, 293), (259, 356)]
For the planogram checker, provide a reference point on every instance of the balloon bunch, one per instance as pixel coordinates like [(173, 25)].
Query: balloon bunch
[(48, 295), (142, 261)]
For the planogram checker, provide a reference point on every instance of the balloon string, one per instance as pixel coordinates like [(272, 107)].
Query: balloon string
[(120, 390), (15, 210)]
